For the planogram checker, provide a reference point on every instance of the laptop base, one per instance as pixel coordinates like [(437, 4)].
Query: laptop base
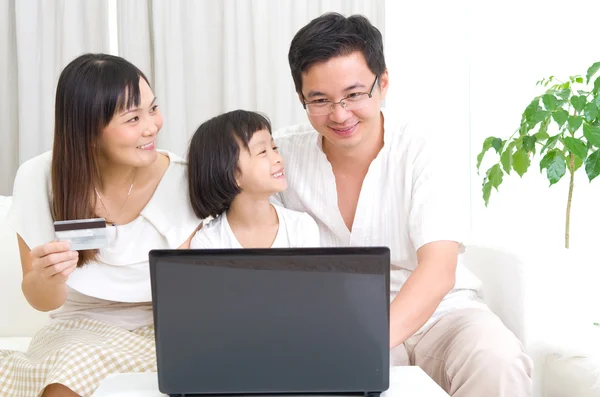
[(365, 394)]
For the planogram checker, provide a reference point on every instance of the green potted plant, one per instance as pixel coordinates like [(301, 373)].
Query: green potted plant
[(560, 128), (560, 132)]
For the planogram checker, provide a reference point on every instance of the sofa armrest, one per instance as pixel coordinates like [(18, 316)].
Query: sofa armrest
[(17, 317), (502, 274)]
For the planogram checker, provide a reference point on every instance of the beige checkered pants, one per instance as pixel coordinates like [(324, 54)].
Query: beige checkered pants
[(78, 354)]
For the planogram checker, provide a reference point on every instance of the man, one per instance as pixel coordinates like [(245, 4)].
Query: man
[(370, 180)]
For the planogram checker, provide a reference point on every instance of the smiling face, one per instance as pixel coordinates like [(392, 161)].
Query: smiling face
[(338, 78), (130, 137), (261, 169)]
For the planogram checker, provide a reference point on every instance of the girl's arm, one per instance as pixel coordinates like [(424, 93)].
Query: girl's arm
[(186, 244)]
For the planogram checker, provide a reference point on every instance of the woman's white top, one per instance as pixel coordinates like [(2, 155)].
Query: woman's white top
[(120, 278)]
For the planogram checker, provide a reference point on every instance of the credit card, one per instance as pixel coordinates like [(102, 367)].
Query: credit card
[(83, 234)]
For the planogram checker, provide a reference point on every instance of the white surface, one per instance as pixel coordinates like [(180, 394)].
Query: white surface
[(15, 343), (404, 381), (17, 318), (422, 38), (501, 273), (545, 296), (571, 377)]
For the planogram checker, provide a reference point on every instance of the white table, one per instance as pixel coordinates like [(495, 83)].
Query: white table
[(404, 381)]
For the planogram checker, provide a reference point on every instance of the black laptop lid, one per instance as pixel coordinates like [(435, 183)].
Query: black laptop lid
[(311, 320)]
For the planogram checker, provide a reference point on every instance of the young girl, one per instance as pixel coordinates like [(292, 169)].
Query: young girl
[(104, 164), (234, 168)]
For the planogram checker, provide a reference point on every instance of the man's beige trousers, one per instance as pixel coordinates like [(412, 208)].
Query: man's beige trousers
[(470, 353)]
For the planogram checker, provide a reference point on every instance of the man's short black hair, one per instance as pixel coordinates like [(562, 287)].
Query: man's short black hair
[(213, 159), (332, 35)]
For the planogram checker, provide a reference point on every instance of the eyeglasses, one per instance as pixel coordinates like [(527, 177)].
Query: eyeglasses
[(354, 101)]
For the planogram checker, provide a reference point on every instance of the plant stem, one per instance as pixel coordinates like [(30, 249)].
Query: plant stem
[(571, 167)]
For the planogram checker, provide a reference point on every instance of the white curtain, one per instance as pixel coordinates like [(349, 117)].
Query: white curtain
[(207, 57), (8, 98), (38, 38), (202, 57)]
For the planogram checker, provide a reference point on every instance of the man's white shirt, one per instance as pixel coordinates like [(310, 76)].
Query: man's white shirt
[(407, 200)]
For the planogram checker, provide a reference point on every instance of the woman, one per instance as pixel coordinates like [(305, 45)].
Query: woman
[(103, 164)]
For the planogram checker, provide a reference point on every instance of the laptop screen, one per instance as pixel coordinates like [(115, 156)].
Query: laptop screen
[(310, 320)]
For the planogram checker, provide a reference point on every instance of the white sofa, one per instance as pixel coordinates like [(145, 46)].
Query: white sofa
[(512, 288), (18, 320)]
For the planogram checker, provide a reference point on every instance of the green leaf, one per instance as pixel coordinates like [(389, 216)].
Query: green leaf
[(578, 102), (541, 135), (555, 166), (550, 102), (539, 115), (578, 163), (560, 116), (530, 110), (528, 143), (550, 143), (596, 86), (533, 114), (576, 146), (565, 93), (592, 134), (565, 86), (506, 158), (547, 159), (597, 101), (574, 123), (521, 162), (556, 170), (497, 144), (591, 72), (543, 128), (487, 190), (494, 175), (579, 79), (487, 144), (590, 111), (592, 165), (524, 128)]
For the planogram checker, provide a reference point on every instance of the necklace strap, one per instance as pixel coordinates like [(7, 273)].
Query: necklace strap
[(124, 201)]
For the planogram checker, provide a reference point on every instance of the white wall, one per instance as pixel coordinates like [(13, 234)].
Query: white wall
[(513, 45), (426, 53), (469, 68)]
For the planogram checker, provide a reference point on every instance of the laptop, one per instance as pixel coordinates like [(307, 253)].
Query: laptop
[(271, 321)]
